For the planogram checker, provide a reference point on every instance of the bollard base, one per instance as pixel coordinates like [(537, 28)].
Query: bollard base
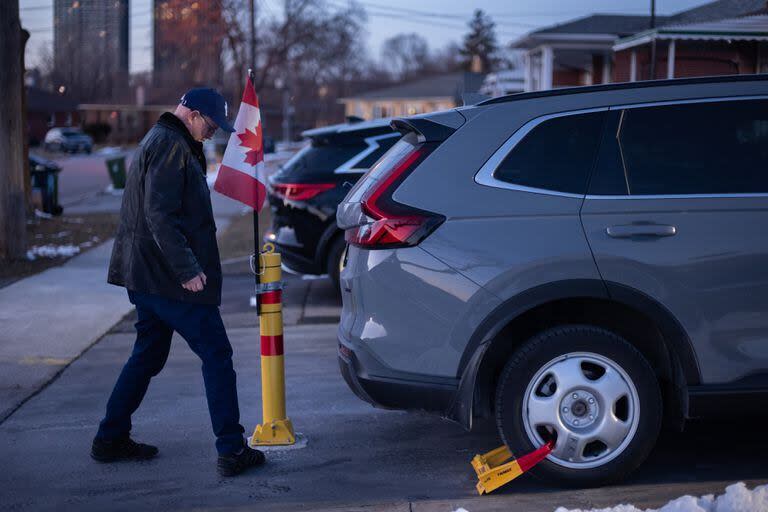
[(301, 442), (276, 433)]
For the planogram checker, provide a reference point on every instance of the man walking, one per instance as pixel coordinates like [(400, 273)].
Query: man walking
[(165, 254)]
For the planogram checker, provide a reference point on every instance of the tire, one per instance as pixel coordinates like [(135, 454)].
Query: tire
[(531, 411), (334, 261)]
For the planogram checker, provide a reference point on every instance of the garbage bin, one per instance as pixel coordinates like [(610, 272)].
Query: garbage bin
[(116, 170), (45, 177)]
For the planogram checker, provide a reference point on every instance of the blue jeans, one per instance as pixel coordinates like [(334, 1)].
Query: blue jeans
[(201, 326)]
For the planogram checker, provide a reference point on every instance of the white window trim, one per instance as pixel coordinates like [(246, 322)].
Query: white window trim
[(348, 167)]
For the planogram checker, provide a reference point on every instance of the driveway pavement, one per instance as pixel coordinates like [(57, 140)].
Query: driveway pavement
[(357, 458)]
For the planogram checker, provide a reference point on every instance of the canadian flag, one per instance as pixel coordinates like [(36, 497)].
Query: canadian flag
[(238, 176)]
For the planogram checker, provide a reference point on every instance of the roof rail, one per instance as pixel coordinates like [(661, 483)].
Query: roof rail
[(625, 85)]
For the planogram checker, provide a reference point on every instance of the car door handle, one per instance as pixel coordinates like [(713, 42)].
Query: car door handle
[(633, 230)]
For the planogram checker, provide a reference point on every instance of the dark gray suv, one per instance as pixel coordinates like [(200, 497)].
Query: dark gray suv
[(581, 264)]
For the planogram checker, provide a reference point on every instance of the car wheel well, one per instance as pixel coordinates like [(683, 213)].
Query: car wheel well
[(632, 325)]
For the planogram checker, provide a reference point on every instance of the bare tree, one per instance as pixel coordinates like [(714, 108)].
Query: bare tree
[(405, 56), (307, 38)]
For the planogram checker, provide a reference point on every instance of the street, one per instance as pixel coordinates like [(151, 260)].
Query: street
[(82, 176), (356, 457)]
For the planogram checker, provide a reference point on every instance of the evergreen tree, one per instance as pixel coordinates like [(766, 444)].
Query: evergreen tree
[(480, 41)]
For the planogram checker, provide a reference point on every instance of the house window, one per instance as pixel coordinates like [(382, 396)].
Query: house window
[(762, 58)]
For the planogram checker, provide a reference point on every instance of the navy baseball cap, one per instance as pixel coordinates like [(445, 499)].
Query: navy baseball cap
[(209, 102)]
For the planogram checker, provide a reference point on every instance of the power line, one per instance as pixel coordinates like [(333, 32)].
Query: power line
[(466, 16)]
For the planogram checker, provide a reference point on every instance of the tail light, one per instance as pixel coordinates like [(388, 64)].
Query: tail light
[(390, 224), (300, 191)]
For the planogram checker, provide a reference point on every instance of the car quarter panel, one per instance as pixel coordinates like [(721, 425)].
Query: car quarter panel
[(410, 310)]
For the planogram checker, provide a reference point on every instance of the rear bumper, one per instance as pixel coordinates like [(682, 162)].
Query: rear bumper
[(382, 387)]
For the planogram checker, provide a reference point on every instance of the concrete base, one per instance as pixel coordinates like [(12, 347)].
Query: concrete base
[(301, 442)]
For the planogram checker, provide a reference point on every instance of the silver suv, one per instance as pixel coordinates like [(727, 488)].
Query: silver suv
[(581, 264)]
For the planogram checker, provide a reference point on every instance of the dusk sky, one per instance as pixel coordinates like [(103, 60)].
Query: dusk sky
[(439, 21)]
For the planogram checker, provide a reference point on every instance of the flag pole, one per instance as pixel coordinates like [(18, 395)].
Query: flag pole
[(256, 234)]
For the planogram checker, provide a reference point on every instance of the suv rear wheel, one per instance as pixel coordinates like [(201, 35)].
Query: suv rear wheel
[(336, 260), (591, 392)]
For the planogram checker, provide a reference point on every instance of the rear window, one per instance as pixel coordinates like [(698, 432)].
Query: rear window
[(556, 155), (384, 165), (382, 144), (320, 159)]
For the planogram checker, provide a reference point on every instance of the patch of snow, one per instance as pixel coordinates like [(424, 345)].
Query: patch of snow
[(52, 251), (114, 191), (109, 150), (312, 277), (737, 498)]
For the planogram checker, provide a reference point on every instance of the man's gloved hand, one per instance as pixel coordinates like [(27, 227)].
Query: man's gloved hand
[(196, 284)]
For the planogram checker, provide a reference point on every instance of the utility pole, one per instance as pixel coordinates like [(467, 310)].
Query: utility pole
[(12, 198), (287, 110), (653, 40)]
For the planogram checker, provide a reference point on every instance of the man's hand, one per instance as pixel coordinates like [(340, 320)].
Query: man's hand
[(196, 284)]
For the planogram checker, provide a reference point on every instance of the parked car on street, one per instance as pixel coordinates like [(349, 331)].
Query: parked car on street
[(304, 193), (581, 264), (68, 140)]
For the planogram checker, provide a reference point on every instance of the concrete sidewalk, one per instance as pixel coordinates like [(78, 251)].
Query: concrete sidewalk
[(49, 319)]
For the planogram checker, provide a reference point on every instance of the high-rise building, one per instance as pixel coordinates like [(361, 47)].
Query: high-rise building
[(188, 39), (90, 48)]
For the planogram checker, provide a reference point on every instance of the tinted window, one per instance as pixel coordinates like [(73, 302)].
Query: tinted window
[(376, 173), (608, 176), (696, 148), (384, 145), (556, 155), (320, 159)]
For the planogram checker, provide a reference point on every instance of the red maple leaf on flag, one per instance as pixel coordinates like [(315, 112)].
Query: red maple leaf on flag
[(252, 140)]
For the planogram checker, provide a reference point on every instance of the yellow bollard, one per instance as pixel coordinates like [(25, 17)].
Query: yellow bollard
[(276, 428)]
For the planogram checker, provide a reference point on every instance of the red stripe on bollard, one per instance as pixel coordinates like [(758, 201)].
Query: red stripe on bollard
[(273, 297), (272, 345)]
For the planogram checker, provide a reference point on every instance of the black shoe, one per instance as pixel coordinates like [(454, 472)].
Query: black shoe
[(231, 465), (121, 449)]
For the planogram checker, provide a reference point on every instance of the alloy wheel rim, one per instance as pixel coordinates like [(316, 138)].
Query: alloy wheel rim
[(587, 403)]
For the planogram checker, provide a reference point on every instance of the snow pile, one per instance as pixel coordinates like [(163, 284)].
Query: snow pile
[(52, 251), (737, 498)]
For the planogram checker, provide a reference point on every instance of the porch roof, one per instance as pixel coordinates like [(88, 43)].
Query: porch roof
[(747, 28)]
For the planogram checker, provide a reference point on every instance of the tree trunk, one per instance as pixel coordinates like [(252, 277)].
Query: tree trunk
[(25, 126), (12, 207)]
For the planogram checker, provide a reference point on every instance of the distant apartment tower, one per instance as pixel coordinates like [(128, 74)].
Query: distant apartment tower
[(90, 48), (187, 46)]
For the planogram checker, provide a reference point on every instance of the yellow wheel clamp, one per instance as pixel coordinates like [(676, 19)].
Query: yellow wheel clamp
[(493, 470)]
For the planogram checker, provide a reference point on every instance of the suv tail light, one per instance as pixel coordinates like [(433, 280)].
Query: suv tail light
[(389, 224), (300, 191)]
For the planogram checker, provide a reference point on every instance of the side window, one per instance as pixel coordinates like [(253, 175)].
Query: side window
[(696, 148), (384, 145), (556, 155), (608, 177)]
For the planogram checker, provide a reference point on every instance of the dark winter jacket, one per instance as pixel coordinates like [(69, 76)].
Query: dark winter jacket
[(167, 234)]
